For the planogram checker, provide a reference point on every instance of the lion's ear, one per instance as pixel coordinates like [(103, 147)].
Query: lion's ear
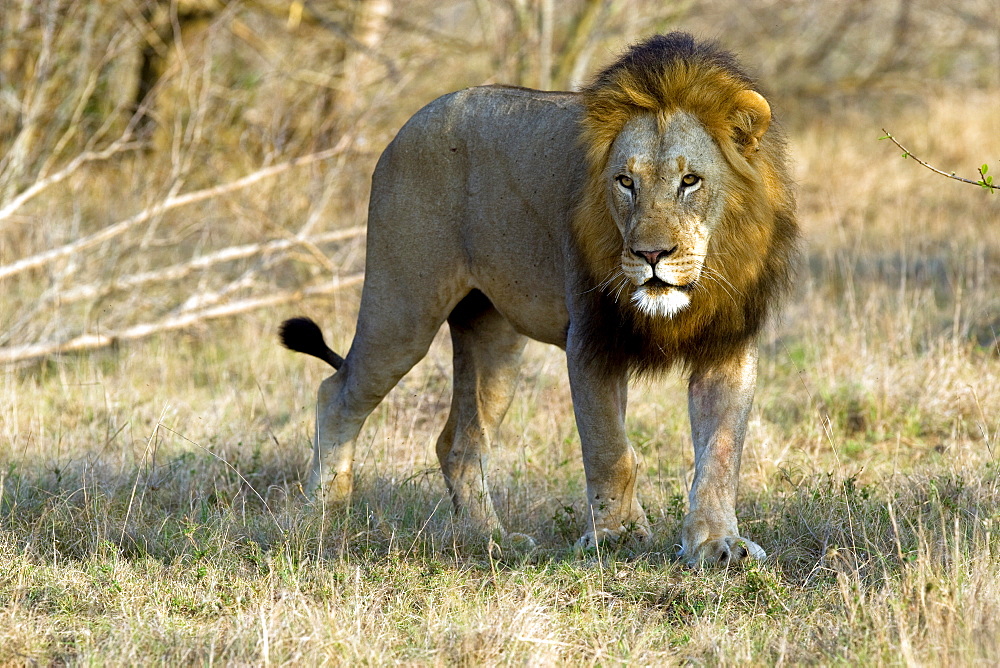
[(752, 117)]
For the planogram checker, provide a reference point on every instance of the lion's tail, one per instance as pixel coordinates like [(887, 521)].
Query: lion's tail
[(304, 336)]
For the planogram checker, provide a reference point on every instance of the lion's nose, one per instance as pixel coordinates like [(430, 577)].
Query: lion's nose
[(652, 257)]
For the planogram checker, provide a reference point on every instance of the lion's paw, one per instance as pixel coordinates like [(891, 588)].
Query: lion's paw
[(595, 537), (335, 489), (512, 545), (520, 542), (724, 551)]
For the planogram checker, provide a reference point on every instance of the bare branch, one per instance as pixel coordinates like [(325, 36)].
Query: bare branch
[(982, 183), (13, 354), (362, 45), (119, 146), (580, 31), (171, 202), (184, 269)]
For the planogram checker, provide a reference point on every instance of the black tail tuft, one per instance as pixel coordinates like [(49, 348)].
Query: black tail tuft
[(304, 336)]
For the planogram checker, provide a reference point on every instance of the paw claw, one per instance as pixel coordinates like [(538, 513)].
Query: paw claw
[(587, 541), (723, 552)]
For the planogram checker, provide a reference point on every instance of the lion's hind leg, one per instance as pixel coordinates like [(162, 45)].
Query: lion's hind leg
[(391, 337), (487, 351)]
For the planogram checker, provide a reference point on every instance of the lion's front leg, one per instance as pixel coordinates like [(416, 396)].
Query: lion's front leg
[(609, 461), (719, 402)]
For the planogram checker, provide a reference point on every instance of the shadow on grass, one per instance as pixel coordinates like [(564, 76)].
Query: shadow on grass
[(195, 508)]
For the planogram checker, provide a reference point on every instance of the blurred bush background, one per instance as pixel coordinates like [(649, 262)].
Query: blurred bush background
[(113, 113)]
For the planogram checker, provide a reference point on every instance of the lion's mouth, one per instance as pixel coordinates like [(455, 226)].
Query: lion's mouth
[(656, 284)]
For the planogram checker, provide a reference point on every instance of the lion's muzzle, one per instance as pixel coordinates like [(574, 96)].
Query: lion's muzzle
[(663, 279)]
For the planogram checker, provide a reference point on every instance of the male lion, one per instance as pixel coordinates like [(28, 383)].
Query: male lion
[(644, 223)]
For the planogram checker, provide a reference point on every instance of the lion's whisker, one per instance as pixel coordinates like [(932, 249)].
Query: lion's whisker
[(621, 287), (722, 282), (719, 277), (605, 283)]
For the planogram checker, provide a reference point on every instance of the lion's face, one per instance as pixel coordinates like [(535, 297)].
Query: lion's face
[(664, 180)]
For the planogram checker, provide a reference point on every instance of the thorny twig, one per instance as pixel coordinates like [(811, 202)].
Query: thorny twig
[(983, 182)]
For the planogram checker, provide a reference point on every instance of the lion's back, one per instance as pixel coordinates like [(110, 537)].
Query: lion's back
[(479, 135)]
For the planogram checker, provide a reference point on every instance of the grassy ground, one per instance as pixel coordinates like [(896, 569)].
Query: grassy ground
[(151, 507)]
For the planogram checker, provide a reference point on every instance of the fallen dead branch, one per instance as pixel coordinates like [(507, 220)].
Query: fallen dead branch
[(82, 342), (172, 202), (42, 184), (183, 270)]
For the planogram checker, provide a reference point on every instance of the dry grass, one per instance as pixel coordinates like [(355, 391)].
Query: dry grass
[(151, 507), (150, 500)]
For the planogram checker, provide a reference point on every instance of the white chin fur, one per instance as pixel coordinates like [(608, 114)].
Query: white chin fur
[(660, 304)]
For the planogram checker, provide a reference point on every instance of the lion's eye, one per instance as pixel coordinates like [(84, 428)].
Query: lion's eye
[(625, 181), (689, 180)]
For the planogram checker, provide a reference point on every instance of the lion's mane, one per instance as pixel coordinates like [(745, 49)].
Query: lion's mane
[(751, 254)]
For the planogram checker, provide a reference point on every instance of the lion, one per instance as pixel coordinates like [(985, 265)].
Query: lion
[(644, 223)]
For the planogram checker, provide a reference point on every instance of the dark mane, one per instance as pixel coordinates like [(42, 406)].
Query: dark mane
[(648, 62)]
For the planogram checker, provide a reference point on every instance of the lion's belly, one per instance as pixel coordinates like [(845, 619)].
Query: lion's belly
[(532, 300), (515, 258)]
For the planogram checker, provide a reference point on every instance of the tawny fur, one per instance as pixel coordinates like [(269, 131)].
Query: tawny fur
[(499, 211)]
